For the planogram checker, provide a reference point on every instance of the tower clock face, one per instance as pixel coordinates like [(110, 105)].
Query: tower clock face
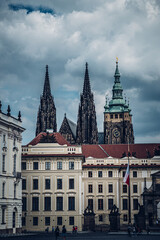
[(116, 133)]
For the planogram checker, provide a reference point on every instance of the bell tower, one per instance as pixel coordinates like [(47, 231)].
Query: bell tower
[(118, 128)]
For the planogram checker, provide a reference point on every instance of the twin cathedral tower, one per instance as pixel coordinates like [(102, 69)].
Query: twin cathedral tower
[(118, 128)]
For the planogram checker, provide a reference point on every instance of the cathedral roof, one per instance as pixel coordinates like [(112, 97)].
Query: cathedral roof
[(56, 136), (73, 127), (120, 150)]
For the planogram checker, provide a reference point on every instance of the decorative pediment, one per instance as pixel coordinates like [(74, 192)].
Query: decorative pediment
[(48, 138)]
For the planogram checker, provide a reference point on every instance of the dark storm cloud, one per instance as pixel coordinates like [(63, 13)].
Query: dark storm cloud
[(29, 9), (82, 31)]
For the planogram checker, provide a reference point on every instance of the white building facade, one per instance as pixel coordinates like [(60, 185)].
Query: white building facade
[(10, 173)]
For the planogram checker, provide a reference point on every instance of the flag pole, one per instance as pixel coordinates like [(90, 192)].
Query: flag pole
[(129, 194)]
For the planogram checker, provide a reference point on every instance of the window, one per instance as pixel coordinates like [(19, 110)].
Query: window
[(90, 174), (110, 188), (35, 165), (116, 115), (3, 215), (23, 184), (14, 163), (3, 190), (47, 165), (134, 188), (90, 189), (47, 183), (14, 142), (59, 203), (24, 204), (125, 204), (47, 203), (90, 203), (134, 174), (100, 204), (71, 165), (35, 203), (110, 204), (59, 221), (35, 184), (4, 138), (71, 183), (59, 183), (110, 174), (47, 221), (35, 221), (59, 165), (111, 116), (135, 204), (125, 217), (100, 218), (124, 188), (99, 173), (71, 220), (23, 221), (15, 190), (100, 188), (3, 163), (120, 115), (23, 166), (124, 173), (71, 203)]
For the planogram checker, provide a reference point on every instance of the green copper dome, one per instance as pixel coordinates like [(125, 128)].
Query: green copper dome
[(117, 104)]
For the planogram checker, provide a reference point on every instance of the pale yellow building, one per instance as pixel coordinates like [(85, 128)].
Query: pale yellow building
[(60, 181), (103, 186), (52, 184)]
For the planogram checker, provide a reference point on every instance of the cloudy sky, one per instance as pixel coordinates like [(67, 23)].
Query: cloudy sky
[(67, 33)]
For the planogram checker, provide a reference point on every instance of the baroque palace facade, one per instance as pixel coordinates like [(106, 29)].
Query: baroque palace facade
[(61, 180)]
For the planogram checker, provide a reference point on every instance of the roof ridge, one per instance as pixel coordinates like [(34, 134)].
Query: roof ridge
[(104, 150)]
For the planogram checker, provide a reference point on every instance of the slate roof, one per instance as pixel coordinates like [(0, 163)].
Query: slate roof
[(73, 127), (59, 138)]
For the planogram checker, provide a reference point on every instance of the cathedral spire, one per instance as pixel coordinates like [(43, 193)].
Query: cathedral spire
[(117, 88), (87, 131), (46, 117), (46, 89), (117, 74), (86, 85)]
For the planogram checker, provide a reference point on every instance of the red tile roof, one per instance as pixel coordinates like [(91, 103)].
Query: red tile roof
[(59, 138), (117, 150)]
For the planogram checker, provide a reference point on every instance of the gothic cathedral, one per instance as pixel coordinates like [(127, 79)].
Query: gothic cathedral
[(118, 128)]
